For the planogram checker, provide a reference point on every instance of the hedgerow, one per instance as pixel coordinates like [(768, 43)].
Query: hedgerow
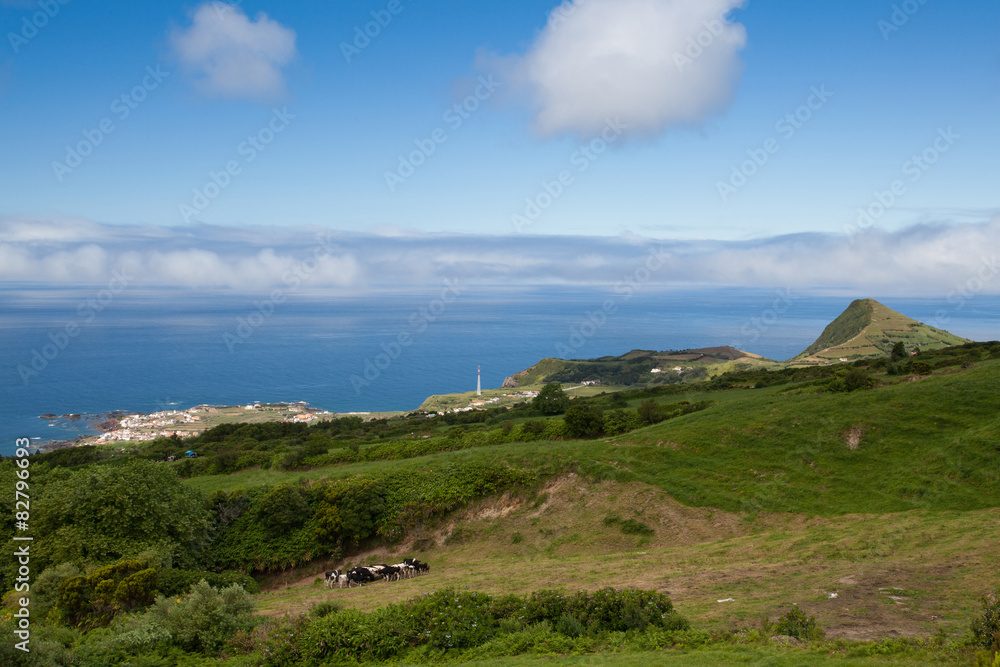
[(450, 622)]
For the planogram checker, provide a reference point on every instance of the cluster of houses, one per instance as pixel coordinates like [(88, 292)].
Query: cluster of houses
[(143, 428)]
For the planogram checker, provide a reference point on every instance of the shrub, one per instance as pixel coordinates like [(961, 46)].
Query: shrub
[(852, 380), (206, 618), (569, 626), (986, 628), (178, 582), (584, 421), (325, 608), (551, 400), (634, 527), (796, 624), (621, 421), (650, 412), (922, 368)]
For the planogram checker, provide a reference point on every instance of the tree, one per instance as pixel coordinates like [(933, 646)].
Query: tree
[(898, 352), (101, 514), (650, 412), (585, 421), (551, 400)]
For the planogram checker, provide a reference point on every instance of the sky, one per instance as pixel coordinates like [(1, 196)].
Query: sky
[(840, 145)]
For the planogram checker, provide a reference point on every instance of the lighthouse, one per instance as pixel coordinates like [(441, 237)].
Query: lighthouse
[(479, 380)]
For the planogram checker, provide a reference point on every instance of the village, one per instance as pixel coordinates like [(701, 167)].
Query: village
[(194, 421)]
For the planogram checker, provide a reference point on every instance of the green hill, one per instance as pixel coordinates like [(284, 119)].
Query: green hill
[(636, 368), (869, 329)]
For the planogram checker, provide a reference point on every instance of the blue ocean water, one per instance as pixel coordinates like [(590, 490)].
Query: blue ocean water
[(153, 350)]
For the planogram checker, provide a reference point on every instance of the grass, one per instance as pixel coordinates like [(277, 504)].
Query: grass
[(930, 444), (761, 498), (714, 656), (869, 328), (941, 561)]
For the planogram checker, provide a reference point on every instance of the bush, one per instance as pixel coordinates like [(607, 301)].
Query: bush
[(325, 608), (621, 421), (651, 413), (796, 624), (437, 624), (986, 628), (178, 582), (206, 618), (551, 400), (852, 380), (634, 527), (584, 421), (569, 626)]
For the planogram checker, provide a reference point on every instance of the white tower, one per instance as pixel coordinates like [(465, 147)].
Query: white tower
[(479, 380)]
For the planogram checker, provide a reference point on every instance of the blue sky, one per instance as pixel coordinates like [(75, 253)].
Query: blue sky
[(896, 80)]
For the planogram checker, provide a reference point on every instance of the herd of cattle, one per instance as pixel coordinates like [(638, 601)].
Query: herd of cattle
[(359, 576)]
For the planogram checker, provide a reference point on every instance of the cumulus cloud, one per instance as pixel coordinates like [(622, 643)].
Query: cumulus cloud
[(918, 261), (654, 64), (231, 55)]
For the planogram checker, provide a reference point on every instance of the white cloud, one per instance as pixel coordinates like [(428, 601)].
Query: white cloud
[(233, 56), (654, 64), (928, 261)]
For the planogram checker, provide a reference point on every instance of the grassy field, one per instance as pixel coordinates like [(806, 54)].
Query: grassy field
[(928, 444), (716, 656), (876, 511)]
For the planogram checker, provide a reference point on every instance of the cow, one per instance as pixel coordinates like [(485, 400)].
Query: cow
[(360, 576)]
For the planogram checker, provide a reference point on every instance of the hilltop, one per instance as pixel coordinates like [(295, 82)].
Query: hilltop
[(636, 368), (868, 329)]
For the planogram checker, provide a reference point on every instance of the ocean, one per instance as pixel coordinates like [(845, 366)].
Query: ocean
[(82, 351)]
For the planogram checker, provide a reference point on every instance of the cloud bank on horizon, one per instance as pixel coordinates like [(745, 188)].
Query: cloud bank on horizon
[(653, 64), (922, 260), (229, 55)]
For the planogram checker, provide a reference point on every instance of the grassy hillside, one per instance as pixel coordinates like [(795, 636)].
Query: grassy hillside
[(867, 328), (635, 368), (876, 510)]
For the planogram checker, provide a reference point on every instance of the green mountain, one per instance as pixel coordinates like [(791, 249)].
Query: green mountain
[(869, 329)]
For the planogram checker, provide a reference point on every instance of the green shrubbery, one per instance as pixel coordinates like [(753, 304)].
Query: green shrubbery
[(986, 628), (337, 515), (451, 621), (795, 623)]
